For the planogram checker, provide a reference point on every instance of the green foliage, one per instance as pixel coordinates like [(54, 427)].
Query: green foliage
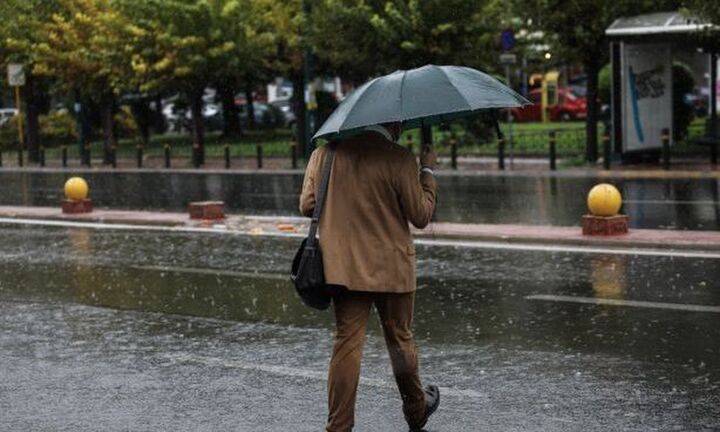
[(57, 127), (358, 39), (707, 9), (125, 123), (605, 83), (9, 134)]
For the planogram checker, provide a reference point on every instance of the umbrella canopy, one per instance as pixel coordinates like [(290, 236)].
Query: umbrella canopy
[(423, 96)]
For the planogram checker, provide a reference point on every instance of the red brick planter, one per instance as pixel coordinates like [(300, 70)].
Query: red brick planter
[(76, 206), (207, 210), (599, 225)]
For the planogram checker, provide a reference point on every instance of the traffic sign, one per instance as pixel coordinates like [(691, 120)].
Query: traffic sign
[(507, 39), (16, 75), (508, 59)]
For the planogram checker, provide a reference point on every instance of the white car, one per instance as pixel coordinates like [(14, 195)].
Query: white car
[(6, 114)]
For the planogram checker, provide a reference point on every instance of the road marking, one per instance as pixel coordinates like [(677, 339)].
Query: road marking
[(673, 202), (630, 303), (294, 372), (214, 272), (476, 244), (569, 248)]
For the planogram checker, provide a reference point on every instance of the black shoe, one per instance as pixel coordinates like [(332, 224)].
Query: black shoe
[(432, 401)]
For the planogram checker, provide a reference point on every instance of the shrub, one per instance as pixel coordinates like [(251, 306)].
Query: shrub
[(57, 127)]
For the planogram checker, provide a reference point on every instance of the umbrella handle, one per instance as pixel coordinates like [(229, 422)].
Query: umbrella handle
[(425, 135), (499, 133)]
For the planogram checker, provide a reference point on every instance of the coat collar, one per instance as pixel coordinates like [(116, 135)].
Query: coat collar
[(382, 130)]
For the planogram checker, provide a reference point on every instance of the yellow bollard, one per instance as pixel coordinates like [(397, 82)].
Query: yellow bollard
[(604, 200), (76, 189)]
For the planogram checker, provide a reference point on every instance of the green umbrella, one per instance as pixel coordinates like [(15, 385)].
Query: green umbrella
[(419, 97)]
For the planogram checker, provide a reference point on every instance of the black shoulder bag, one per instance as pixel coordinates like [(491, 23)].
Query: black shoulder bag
[(307, 273)]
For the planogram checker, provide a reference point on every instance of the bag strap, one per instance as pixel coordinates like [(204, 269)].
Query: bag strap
[(322, 192)]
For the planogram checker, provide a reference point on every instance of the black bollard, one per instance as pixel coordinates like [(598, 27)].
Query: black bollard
[(714, 151), (113, 157), (453, 153), (167, 155), (227, 156), (87, 155), (20, 157), (606, 149), (666, 148), (259, 156), (42, 156), (501, 153), (0, 158), (293, 154), (64, 156), (553, 151), (196, 155), (139, 149)]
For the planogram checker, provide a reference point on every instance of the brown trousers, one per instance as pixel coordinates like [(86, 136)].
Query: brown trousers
[(352, 309)]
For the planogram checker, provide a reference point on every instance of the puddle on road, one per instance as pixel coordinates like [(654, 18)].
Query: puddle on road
[(465, 296)]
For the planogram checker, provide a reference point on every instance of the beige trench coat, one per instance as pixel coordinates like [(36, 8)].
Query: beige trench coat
[(375, 190)]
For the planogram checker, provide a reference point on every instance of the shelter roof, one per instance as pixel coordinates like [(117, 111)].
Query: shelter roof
[(659, 23)]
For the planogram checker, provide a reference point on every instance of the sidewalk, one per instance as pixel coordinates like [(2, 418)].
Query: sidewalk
[(297, 226)]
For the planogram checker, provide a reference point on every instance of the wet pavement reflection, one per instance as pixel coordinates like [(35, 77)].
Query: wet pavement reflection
[(167, 330), (650, 203)]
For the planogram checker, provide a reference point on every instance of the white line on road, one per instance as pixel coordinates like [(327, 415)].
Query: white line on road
[(214, 272), (673, 202), (569, 248), (476, 244), (630, 303), (308, 374)]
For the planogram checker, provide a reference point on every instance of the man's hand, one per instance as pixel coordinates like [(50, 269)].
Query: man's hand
[(428, 158)]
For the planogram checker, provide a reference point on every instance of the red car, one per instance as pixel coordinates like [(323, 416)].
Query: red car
[(569, 107)]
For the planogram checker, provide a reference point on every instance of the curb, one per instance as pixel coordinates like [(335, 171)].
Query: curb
[(297, 226)]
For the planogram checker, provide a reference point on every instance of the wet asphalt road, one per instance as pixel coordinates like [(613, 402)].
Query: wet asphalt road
[(131, 330)]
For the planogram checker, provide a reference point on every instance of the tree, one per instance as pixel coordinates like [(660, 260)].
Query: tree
[(287, 22), (85, 45), (17, 36), (233, 25), (362, 39), (708, 9), (579, 27)]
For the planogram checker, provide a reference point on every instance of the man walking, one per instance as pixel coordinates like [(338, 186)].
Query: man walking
[(375, 189)]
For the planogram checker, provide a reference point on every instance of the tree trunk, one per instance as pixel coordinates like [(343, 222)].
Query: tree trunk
[(32, 112), (159, 123), (298, 102), (249, 105), (109, 128), (198, 125), (231, 115), (592, 69), (143, 118)]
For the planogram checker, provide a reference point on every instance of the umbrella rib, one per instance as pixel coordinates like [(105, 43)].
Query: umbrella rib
[(357, 103), (447, 77)]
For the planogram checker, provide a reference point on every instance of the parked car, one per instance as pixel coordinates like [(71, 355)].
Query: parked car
[(266, 115), (569, 107), (6, 114), (285, 106)]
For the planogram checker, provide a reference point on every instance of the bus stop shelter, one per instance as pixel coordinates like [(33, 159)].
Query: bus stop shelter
[(642, 50)]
